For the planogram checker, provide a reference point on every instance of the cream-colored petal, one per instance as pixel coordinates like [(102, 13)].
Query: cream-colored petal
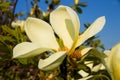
[(96, 68), (86, 78), (107, 59), (83, 73), (96, 27), (89, 64), (102, 67), (85, 50), (115, 62), (27, 49), (107, 52), (75, 21), (52, 62), (66, 24), (40, 32), (18, 24)]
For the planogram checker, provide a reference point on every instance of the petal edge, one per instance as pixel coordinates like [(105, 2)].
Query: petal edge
[(27, 49), (52, 62)]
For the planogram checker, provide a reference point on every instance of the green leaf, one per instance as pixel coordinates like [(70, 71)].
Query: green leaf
[(102, 46), (3, 39), (87, 25), (9, 30), (3, 48), (25, 60), (84, 68), (96, 43), (4, 6), (82, 4), (13, 34), (98, 54), (79, 10), (19, 14), (56, 2), (52, 62), (60, 42)]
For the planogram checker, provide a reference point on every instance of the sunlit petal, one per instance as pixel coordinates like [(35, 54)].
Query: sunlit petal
[(92, 30), (52, 62), (115, 62), (27, 49), (66, 24), (83, 73), (18, 24), (85, 50), (86, 78), (89, 64), (96, 68), (75, 21), (40, 32), (107, 59)]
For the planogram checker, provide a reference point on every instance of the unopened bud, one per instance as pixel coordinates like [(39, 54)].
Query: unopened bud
[(32, 11), (18, 24), (76, 1)]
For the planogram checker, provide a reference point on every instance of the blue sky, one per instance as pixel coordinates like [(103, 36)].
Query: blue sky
[(110, 35)]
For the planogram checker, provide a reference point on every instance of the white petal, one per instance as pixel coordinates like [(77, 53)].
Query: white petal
[(27, 49), (89, 64), (83, 73), (40, 32), (107, 52), (96, 68), (75, 21), (66, 24), (85, 50), (52, 62), (115, 62), (107, 59), (92, 30), (86, 78), (18, 24), (102, 67)]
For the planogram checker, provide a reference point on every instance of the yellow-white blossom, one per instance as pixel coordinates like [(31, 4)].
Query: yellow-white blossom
[(65, 23), (113, 62)]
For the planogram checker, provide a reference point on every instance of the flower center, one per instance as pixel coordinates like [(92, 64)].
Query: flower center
[(76, 54), (63, 49)]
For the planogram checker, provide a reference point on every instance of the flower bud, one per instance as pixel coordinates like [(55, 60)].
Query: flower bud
[(18, 24), (76, 1)]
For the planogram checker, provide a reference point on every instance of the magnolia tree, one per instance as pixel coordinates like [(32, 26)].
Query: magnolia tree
[(49, 45)]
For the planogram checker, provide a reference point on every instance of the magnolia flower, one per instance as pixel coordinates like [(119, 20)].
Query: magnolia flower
[(65, 23), (113, 62)]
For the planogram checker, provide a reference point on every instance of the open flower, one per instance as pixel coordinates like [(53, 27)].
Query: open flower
[(113, 62), (65, 23)]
